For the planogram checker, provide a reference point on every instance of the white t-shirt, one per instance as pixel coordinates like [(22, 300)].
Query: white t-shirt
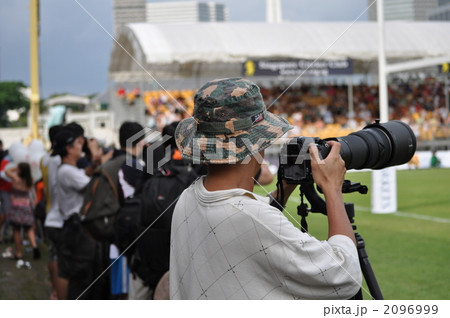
[(53, 218), (71, 182), (232, 244)]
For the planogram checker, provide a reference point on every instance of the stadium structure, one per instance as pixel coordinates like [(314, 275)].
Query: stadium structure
[(180, 57)]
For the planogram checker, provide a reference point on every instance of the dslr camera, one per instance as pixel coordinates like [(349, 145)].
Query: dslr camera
[(376, 146)]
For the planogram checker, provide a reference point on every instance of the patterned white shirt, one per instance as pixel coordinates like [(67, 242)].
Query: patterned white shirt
[(232, 244)]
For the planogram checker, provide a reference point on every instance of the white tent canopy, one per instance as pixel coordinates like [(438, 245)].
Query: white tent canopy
[(234, 42), (67, 100), (203, 49)]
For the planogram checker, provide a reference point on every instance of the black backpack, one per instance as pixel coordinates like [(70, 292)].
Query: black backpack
[(145, 220), (102, 201)]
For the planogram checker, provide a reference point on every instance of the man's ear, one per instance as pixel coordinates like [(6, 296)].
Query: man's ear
[(68, 149)]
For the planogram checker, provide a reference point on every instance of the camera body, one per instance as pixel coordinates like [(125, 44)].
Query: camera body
[(295, 160)]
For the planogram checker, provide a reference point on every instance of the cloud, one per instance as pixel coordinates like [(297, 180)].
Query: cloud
[(74, 50), (14, 41)]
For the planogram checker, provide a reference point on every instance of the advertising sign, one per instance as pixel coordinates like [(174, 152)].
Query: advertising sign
[(297, 67)]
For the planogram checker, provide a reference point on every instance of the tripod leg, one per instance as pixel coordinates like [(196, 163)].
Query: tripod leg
[(367, 270), (358, 295)]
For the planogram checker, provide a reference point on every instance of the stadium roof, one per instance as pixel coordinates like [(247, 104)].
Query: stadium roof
[(67, 100), (235, 42)]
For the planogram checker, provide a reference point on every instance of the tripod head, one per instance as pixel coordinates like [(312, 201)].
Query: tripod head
[(318, 204)]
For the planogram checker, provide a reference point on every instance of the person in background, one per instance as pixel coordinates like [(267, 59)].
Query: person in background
[(129, 176), (2, 151), (5, 189), (92, 153), (20, 213), (414, 163), (53, 222), (79, 252), (435, 162)]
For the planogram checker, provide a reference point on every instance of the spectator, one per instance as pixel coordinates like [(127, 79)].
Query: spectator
[(20, 213), (121, 93), (53, 222), (2, 152), (414, 163), (5, 190), (435, 162), (79, 252), (131, 173), (150, 260)]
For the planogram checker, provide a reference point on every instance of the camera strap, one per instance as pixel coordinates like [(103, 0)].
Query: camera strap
[(302, 210)]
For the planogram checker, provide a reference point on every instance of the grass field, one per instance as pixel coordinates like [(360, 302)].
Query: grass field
[(409, 250)]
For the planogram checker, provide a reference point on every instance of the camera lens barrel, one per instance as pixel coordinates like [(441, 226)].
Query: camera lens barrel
[(378, 146)]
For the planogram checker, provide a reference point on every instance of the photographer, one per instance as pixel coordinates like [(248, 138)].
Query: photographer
[(229, 243), (78, 255)]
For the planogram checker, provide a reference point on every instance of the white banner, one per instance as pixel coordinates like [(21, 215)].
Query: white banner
[(384, 190)]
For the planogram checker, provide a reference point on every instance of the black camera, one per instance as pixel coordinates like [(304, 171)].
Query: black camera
[(376, 146)]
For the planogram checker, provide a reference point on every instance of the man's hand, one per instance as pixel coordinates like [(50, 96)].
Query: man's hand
[(96, 151), (328, 173), (107, 156)]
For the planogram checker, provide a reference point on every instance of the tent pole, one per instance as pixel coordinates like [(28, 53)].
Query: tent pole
[(446, 89), (382, 82), (34, 68), (351, 109)]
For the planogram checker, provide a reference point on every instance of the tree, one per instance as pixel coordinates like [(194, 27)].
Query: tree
[(12, 98)]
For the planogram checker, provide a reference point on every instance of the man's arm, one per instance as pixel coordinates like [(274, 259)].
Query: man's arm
[(287, 191), (11, 173), (329, 175)]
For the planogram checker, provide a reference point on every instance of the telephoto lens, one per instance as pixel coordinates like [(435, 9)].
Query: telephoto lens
[(378, 146)]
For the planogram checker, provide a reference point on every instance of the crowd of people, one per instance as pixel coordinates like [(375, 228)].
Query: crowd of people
[(420, 104), (75, 258), (313, 109)]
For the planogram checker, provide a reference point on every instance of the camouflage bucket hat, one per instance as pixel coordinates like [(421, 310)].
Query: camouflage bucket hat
[(230, 123)]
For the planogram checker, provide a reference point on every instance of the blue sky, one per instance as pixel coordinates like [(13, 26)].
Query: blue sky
[(74, 49)]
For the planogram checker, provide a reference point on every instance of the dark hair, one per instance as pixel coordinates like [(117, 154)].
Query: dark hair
[(127, 130), (63, 138), (169, 130), (53, 131), (75, 128), (24, 172)]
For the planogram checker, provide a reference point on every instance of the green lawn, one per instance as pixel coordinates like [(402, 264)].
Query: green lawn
[(410, 250)]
